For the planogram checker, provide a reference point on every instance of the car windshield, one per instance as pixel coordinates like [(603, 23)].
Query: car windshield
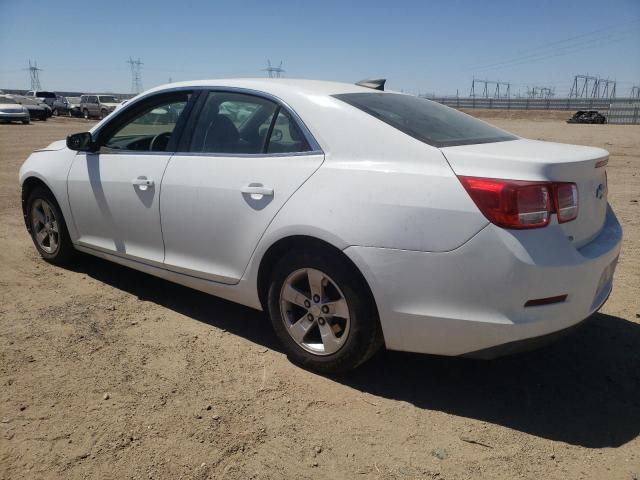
[(6, 100), (108, 99), (424, 120)]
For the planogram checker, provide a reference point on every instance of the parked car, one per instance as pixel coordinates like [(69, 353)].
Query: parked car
[(61, 107), (37, 109), (12, 111), (74, 106), (587, 116), (97, 105), (47, 97), (355, 217)]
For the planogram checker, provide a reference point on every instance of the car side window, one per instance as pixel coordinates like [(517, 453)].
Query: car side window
[(232, 123), (148, 128), (286, 136)]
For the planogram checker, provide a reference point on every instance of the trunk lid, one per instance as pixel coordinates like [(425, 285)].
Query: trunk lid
[(535, 160)]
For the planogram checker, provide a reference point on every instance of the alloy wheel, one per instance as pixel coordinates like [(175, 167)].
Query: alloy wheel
[(314, 311), (45, 226)]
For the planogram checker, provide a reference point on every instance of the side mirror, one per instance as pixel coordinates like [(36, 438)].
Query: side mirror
[(80, 142)]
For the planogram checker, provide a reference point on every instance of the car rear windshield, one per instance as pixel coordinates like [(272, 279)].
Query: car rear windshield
[(46, 95), (427, 121), (108, 99)]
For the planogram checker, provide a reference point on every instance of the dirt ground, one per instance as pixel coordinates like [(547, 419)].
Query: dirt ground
[(109, 373)]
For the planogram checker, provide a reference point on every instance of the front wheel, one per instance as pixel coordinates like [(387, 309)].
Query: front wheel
[(103, 113), (48, 228), (322, 312)]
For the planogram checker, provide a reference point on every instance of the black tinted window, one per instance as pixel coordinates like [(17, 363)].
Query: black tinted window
[(232, 123), (427, 121)]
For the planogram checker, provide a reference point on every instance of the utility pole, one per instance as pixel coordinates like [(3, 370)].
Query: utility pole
[(33, 74), (274, 72), (136, 74)]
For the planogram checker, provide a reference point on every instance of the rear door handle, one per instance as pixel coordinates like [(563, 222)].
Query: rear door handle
[(143, 183), (257, 189)]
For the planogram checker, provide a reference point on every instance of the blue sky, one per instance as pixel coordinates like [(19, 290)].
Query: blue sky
[(419, 46)]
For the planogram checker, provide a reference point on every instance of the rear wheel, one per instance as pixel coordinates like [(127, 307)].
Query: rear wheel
[(322, 312), (48, 228), (85, 114)]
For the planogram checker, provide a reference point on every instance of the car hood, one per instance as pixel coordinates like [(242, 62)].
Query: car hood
[(57, 145)]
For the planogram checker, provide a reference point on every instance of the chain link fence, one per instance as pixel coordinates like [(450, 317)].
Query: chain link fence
[(621, 111)]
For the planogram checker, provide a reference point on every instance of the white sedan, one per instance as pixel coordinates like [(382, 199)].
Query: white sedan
[(11, 111), (357, 218)]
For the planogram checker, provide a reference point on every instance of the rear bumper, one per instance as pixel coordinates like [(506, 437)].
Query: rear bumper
[(472, 299)]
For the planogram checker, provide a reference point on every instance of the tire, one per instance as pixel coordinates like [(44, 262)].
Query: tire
[(25, 122), (55, 112), (362, 328), (42, 201), (85, 114), (103, 113)]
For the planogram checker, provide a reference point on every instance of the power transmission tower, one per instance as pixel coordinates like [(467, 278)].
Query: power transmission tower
[(136, 75), (587, 86), (540, 92), (606, 88), (33, 73), (274, 72), (491, 89), (635, 91)]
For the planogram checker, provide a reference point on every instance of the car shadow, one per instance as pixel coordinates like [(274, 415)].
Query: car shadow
[(583, 390)]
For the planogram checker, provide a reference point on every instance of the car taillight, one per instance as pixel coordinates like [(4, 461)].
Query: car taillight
[(522, 204), (566, 199)]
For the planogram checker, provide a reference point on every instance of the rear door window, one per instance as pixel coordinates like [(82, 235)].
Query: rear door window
[(232, 123)]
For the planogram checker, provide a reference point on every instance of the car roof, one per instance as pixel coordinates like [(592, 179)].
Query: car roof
[(274, 86)]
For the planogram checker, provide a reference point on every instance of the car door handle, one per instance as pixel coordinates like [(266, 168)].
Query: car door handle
[(257, 189), (143, 183)]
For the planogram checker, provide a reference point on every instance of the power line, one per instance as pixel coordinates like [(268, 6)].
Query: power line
[(567, 50), (540, 49)]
